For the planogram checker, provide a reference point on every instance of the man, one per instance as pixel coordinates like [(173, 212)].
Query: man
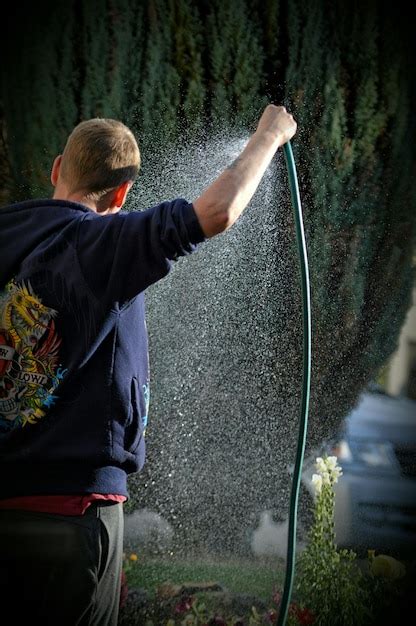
[(74, 375)]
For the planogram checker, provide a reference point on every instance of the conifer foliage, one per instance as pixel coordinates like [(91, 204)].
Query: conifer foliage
[(346, 85)]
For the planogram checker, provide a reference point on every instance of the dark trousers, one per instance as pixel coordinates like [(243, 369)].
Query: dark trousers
[(61, 570)]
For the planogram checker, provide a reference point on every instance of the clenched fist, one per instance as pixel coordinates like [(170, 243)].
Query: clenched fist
[(276, 121)]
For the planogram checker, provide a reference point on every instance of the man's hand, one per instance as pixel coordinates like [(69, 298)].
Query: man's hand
[(278, 122), (219, 205)]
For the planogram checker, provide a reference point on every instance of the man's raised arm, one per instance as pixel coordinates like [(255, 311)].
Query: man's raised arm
[(220, 204)]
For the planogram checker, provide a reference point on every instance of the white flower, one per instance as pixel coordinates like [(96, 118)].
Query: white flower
[(326, 478), (320, 465), (331, 462), (317, 483), (328, 469), (336, 474)]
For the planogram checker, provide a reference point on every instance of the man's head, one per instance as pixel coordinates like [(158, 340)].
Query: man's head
[(99, 164)]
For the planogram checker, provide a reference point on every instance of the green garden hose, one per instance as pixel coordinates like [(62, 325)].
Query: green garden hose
[(303, 424)]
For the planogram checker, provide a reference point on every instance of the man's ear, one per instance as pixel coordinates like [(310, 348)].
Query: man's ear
[(56, 168), (120, 194)]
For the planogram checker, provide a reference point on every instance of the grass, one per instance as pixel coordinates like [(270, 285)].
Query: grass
[(243, 576)]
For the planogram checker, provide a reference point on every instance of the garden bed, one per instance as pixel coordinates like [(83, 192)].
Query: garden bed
[(160, 589)]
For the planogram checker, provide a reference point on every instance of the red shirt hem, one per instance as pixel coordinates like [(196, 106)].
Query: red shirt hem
[(60, 505)]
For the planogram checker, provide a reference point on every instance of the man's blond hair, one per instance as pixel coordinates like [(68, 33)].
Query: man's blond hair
[(100, 154)]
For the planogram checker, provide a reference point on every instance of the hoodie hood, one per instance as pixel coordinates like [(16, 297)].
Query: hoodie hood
[(26, 225)]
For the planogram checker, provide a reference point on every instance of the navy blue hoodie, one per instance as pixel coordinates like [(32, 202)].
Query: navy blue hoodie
[(74, 371)]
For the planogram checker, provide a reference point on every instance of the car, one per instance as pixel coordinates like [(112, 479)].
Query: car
[(375, 498)]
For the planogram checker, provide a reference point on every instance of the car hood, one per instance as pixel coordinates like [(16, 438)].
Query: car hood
[(382, 417)]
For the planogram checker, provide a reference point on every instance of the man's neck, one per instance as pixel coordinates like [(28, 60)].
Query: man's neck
[(61, 192)]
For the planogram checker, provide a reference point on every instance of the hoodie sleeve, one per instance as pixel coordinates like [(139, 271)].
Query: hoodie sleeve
[(121, 255)]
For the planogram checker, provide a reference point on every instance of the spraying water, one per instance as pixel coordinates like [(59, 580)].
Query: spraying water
[(225, 354)]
